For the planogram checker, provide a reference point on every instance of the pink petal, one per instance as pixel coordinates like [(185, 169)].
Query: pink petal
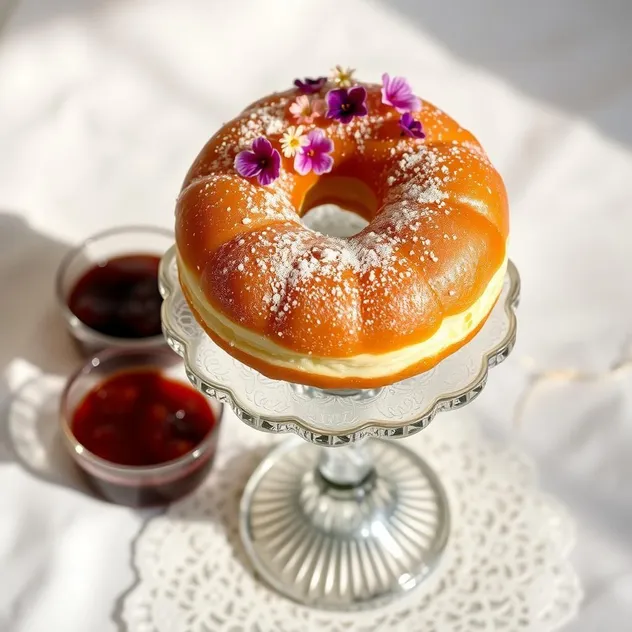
[(398, 84), (322, 163), (266, 177), (302, 163), (408, 104), (271, 172), (397, 93), (319, 142), (357, 94), (262, 147), (247, 164), (276, 161), (385, 83)]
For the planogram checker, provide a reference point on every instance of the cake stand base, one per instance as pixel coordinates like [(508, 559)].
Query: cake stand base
[(344, 545)]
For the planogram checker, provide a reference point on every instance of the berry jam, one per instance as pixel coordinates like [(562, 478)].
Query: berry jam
[(142, 418), (120, 297)]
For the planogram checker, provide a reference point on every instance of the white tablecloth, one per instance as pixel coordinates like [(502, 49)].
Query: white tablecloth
[(103, 105)]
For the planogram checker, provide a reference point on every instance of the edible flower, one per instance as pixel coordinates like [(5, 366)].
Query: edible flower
[(310, 86), (305, 110), (411, 127), (342, 77), (314, 155), (263, 161), (293, 140), (397, 93), (343, 104)]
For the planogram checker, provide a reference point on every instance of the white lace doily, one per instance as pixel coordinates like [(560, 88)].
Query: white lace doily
[(505, 568)]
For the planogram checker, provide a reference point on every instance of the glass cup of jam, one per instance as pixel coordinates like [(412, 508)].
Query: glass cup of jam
[(140, 433), (107, 288)]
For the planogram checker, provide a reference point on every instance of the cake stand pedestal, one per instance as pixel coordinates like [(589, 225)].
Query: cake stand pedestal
[(344, 519)]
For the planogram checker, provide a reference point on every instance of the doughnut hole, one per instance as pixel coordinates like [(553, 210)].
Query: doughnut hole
[(398, 306), (349, 193), (320, 313), (327, 311), (237, 277)]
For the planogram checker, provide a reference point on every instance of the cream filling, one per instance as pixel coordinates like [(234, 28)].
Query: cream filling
[(366, 365)]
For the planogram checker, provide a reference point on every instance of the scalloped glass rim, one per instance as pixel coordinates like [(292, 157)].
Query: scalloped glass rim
[(322, 417)]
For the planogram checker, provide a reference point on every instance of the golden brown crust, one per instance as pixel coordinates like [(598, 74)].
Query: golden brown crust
[(438, 228), (324, 381)]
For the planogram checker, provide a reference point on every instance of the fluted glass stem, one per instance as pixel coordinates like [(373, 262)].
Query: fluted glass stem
[(346, 466)]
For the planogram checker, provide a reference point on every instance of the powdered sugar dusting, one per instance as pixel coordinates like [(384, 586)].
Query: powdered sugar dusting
[(297, 267), (301, 262), (266, 119)]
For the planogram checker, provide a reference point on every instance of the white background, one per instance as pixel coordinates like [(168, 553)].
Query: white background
[(104, 104)]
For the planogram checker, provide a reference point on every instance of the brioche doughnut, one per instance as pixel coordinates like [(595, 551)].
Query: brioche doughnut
[(392, 301)]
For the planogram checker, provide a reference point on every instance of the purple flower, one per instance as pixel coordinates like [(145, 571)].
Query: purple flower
[(397, 93), (411, 127), (343, 104), (314, 156), (263, 161), (310, 86)]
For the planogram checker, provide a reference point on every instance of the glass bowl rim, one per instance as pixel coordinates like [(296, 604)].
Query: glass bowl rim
[(61, 296), (80, 453)]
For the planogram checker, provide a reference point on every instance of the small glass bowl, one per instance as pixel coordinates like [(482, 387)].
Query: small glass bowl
[(137, 486), (125, 240)]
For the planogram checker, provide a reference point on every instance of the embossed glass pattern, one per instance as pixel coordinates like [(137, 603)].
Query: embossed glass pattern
[(324, 418), (351, 528)]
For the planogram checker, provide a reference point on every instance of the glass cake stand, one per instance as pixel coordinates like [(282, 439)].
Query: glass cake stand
[(343, 519)]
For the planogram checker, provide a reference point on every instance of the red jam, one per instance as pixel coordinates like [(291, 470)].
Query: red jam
[(120, 297), (142, 418)]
